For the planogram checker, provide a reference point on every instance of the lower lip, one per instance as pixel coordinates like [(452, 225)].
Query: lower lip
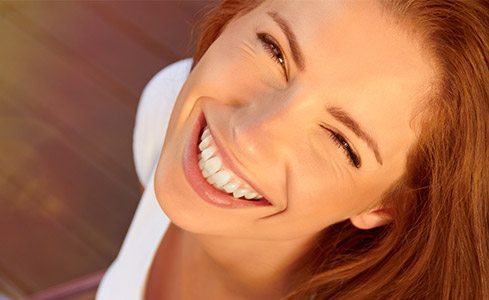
[(194, 176)]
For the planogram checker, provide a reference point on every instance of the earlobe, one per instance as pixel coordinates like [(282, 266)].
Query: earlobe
[(372, 218)]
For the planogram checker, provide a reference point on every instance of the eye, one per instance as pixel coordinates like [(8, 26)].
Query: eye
[(272, 47), (341, 142)]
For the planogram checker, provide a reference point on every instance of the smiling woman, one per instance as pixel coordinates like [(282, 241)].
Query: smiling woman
[(322, 149)]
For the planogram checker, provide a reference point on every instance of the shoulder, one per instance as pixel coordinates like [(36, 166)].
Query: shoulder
[(167, 79), (153, 114)]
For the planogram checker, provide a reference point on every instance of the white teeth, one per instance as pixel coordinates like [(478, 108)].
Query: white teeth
[(201, 164), (231, 187), (210, 180), (213, 165), (208, 152), (240, 192), (250, 195), (205, 133), (205, 143), (221, 178), (224, 180)]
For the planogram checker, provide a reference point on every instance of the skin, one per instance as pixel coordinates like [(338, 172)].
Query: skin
[(355, 59)]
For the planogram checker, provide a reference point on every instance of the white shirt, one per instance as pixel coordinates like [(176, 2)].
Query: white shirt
[(126, 277)]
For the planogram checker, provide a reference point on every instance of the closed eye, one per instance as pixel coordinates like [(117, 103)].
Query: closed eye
[(341, 142), (272, 47)]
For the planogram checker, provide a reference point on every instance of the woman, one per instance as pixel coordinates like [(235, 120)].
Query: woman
[(317, 149)]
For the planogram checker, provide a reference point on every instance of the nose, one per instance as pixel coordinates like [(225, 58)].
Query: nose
[(267, 130)]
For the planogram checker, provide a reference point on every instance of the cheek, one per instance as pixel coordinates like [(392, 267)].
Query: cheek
[(230, 71), (221, 65), (323, 194), (320, 193)]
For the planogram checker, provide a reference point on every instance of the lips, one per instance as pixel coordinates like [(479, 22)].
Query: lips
[(200, 185)]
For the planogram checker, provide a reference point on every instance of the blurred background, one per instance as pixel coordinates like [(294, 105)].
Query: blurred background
[(71, 73)]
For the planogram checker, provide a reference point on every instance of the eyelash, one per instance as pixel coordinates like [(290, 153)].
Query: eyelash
[(340, 141), (273, 49)]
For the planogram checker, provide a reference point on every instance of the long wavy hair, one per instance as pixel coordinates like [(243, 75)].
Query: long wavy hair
[(437, 246)]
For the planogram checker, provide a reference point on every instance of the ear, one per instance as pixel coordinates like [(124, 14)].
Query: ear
[(372, 218)]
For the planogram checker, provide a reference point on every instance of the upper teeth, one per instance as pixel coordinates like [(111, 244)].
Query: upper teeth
[(210, 163)]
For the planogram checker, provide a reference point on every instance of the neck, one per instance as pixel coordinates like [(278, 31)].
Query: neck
[(254, 269)]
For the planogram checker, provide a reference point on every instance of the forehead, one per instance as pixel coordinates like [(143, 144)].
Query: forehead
[(357, 58), (345, 35)]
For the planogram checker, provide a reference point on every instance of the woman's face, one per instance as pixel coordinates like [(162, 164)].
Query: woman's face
[(312, 102)]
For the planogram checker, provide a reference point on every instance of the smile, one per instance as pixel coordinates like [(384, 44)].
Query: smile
[(210, 172), (221, 177)]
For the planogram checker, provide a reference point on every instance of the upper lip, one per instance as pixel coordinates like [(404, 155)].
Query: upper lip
[(230, 161)]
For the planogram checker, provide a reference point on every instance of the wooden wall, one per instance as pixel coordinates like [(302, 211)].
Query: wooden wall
[(71, 74)]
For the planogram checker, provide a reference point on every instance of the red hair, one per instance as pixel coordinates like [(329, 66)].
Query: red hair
[(437, 246)]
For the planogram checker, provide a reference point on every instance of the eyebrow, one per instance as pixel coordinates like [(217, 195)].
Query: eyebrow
[(343, 117), (297, 54)]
